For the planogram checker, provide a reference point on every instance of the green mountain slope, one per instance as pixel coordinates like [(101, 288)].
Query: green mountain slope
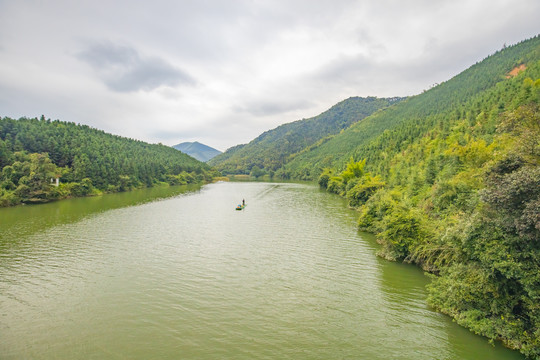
[(411, 117), (450, 180), (274, 148), (197, 150), (32, 152)]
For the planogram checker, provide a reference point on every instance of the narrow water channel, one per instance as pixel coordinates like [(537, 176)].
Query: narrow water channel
[(179, 273)]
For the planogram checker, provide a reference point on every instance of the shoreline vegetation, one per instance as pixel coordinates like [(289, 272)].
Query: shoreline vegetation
[(43, 160), (461, 199), (475, 230), (448, 180)]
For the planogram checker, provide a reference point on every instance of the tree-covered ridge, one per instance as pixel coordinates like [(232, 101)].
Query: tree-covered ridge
[(457, 191), (272, 149), (410, 118), (34, 152)]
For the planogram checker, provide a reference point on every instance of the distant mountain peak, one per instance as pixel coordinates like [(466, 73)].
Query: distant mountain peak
[(197, 150)]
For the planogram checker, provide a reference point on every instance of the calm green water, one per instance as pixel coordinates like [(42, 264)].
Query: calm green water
[(144, 276)]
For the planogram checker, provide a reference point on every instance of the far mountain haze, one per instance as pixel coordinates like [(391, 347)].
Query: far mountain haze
[(197, 150)]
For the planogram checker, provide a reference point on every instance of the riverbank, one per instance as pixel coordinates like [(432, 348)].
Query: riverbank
[(63, 191)]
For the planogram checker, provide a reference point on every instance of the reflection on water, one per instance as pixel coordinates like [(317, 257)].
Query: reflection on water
[(190, 277), (26, 219)]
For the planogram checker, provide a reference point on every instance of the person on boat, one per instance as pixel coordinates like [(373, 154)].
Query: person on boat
[(243, 202)]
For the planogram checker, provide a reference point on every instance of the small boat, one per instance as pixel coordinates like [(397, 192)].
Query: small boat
[(240, 207)]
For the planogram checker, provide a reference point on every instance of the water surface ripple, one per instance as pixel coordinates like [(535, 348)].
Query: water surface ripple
[(190, 277)]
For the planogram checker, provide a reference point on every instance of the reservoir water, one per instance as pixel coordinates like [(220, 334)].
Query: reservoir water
[(178, 273)]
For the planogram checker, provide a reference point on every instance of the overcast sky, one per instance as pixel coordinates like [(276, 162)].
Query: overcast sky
[(223, 71)]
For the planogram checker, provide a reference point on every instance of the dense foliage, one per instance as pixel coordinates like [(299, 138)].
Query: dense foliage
[(34, 152), (457, 190), (449, 180), (274, 148), (387, 132)]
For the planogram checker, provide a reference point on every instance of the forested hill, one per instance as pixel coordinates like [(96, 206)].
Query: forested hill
[(34, 151), (274, 148), (450, 180), (390, 131)]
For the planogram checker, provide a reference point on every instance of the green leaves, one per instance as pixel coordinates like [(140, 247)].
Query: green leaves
[(353, 170), (32, 152), (353, 183), (364, 189), (28, 179), (272, 150)]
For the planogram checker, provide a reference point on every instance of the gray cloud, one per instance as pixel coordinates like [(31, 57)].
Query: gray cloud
[(223, 72), (122, 69), (346, 68), (175, 136), (272, 107)]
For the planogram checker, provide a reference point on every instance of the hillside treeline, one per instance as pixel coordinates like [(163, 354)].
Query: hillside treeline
[(380, 135), (274, 148), (455, 188), (34, 152), (448, 179)]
